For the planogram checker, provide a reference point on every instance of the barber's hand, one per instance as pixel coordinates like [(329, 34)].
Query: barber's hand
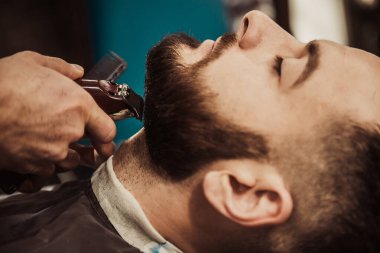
[(42, 112)]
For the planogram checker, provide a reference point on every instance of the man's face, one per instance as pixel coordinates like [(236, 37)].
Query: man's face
[(270, 81), (268, 87)]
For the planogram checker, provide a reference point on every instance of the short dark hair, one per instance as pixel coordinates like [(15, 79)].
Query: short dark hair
[(335, 187), (182, 131), (350, 191)]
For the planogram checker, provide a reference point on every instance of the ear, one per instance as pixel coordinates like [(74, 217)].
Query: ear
[(247, 192)]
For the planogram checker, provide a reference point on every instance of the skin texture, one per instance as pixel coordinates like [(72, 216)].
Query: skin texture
[(346, 81), (42, 112), (228, 196)]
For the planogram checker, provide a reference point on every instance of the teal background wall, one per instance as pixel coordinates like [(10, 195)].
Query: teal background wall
[(131, 28)]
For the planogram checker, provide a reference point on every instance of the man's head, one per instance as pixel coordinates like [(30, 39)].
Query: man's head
[(283, 136)]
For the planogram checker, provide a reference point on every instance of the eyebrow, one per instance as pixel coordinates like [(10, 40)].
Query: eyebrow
[(313, 50)]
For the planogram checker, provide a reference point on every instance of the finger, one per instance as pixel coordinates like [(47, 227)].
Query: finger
[(100, 127), (72, 71), (33, 183), (71, 161), (89, 157), (104, 150), (98, 159), (86, 154), (40, 168)]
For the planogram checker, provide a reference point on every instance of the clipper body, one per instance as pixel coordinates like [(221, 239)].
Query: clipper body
[(117, 100)]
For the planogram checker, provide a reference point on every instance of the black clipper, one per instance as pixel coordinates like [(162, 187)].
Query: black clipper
[(117, 100)]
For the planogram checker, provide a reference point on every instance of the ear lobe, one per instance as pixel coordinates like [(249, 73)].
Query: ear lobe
[(249, 198)]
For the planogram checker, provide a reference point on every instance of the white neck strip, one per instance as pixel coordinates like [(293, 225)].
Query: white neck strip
[(125, 213)]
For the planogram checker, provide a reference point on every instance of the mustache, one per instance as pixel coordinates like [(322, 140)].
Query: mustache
[(177, 39), (164, 55), (226, 41)]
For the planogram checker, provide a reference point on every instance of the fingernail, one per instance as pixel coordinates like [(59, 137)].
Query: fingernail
[(78, 67)]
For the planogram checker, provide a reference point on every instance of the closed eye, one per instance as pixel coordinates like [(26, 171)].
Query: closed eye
[(277, 64)]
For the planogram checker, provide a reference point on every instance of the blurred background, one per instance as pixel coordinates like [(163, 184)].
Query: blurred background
[(81, 31)]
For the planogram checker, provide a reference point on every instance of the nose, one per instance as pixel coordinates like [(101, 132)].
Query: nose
[(256, 28)]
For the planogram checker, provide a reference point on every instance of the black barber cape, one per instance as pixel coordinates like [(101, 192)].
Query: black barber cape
[(68, 219)]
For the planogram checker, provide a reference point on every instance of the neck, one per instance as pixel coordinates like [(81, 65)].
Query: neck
[(164, 202)]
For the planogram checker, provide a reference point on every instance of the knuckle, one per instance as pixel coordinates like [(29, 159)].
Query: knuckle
[(58, 153), (60, 62), (76, 134), (106, 128), (57, 59), (87, 98), (62, 66), (32, 168), (28, 54), (111, 133), (86, 102)]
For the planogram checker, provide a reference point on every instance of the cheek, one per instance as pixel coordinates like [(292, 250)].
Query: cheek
[(246, 100), (348, 92)]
